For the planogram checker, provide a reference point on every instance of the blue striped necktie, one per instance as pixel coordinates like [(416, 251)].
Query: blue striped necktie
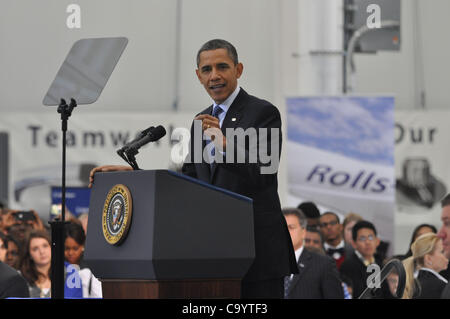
[(216, 112)]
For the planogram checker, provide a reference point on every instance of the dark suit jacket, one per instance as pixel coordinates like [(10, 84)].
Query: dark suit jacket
[(12, 284), (273, 247), (431, 287), (318, 278), (354, 268), (446, 292)]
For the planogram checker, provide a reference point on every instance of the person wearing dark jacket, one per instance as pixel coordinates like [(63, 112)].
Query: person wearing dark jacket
[(12, 284), (365, 242), (318, 277)]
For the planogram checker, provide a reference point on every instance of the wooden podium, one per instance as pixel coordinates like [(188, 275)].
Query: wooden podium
[(186, 238)]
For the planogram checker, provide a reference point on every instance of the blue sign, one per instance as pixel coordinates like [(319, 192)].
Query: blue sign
[(77, 200)]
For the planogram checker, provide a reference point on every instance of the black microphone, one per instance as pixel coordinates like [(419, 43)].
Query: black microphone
[(153, 134), (140, 136)]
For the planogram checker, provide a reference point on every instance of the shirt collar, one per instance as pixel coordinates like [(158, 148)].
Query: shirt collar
[(433, 272), (341, 245), (225, 105), (298, 253), (366, 262)]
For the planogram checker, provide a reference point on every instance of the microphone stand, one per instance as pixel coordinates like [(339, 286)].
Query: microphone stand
[(57, 226)]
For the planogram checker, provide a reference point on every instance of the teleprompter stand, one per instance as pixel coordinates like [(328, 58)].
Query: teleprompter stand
[(80, 79)]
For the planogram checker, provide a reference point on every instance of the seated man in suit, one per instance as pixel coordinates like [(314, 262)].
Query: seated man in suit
[(355, 266), (313, 239), (318, 277), (332, 231)]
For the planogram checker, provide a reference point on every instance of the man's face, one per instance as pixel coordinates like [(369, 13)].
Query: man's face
[(218, 74), (295, 230), (444, 232), (366, 242), (330, 228), (312, 239)]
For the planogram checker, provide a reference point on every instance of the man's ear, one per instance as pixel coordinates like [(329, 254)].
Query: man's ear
[(377, 243), (198, 74), (239, 69)]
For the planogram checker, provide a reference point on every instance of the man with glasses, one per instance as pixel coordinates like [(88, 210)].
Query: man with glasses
[(365, 243), (334, 244)]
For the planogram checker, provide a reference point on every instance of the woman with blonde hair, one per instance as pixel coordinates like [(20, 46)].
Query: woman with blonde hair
[(422, 268)]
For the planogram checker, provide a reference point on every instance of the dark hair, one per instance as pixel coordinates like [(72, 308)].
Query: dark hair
[(446, 200), (298, 213), (219, 44), (414, 235), (309, 209), (314, 229), (75, 231), (334, 214), (28, 268), (360, 225)]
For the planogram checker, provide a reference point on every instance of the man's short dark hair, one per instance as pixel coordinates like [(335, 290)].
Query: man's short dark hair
[(334, 214), (446, 200), (313, 229), (298, 213), (360, 225), (309, 209), (219, 44)]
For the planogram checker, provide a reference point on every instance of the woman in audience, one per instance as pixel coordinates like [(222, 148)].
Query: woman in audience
[(13, 252), (36, 263), (418, 231), (422, 268), (74, 248), (349, 221)]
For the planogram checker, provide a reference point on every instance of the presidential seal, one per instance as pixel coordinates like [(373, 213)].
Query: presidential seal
[(117, 212)]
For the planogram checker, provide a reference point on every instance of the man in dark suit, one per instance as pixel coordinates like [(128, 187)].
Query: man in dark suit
[(238, 165), (318, 277), (12, 284), (245, 163)]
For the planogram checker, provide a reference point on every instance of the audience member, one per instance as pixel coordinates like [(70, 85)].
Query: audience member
[(349, 221), (422, 268), (311, 212), (36, 263), (334, 245), (313, 239), (355, 265), (74, 248), (14, 250), (17, 223), (444, 232), (318, 277), (3, 248), (12, 284), (418, 231)]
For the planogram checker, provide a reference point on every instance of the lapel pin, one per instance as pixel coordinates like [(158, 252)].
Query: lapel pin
[(301, 265), (233, 119)]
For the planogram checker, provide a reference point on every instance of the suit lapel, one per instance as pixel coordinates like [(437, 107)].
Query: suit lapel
[(301, 265), (232, 119)]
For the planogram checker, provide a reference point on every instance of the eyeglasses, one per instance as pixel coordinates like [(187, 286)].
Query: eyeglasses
[(332, 223), (364, 238)]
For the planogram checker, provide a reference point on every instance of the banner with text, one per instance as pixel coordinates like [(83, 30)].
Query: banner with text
[(341, 156)]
